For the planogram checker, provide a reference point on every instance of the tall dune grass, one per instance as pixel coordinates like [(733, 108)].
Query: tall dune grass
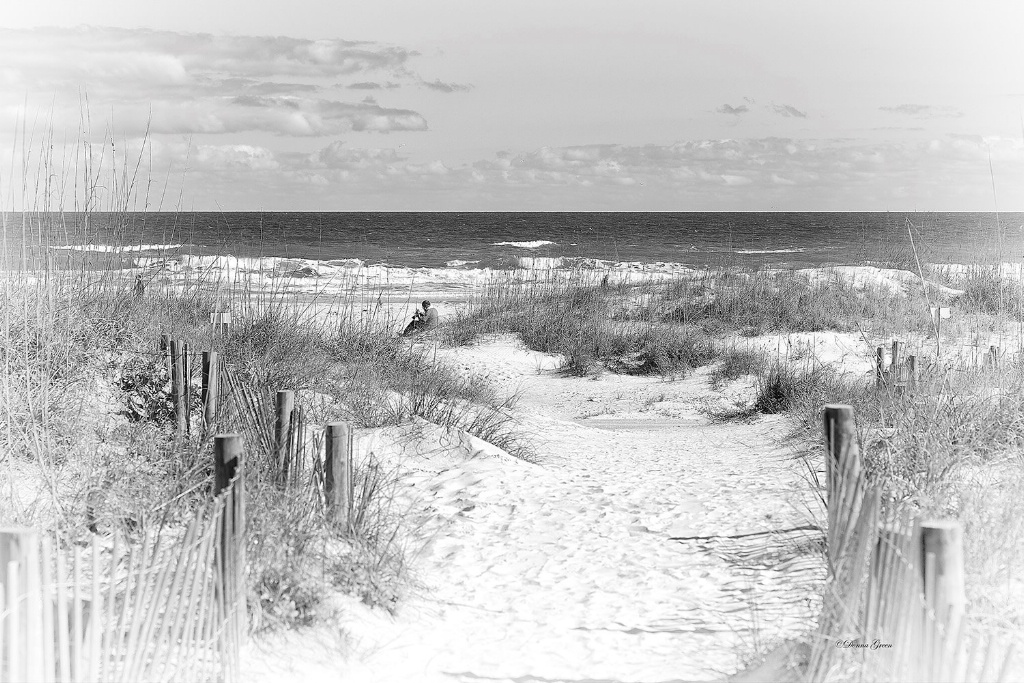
[(84, 431), (576, 319)]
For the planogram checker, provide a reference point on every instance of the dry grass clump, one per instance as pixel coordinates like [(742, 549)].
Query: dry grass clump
[(735, 363), (578, 320), (765, 302), (987, 291)]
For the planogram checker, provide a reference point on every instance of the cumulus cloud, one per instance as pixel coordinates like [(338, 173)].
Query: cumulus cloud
[(282, 116), (923, 110), (731, 110), (102, 53), (788, 111), (727, 163), (440, 86), (713, 174), (338, 155), (206, 84)]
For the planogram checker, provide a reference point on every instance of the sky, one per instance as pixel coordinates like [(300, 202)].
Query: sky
[(473, 105)]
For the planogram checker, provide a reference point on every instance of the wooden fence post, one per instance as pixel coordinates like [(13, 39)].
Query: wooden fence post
[(894, 365), (210, 388), (993, 354), (282, 429), (227, 463), (186, 374), (178, 386), (841, 443), (293, 468), (165, 350), (912, 372), (338, 480), (879, 367), (942, 568)]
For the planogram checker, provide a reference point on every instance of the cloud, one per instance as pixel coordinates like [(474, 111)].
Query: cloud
[(365, 85), (233, 157), (733, 111), (924, 111), (943, 173), (196, 83), (101, 53), (788, 111), (336, 155), (439, 86)]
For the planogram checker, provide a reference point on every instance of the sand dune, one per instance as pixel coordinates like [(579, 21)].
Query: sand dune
[(566, 569)]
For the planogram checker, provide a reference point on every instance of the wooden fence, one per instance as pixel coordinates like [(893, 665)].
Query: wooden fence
[(172, 609), (894, 607), (903, 371)]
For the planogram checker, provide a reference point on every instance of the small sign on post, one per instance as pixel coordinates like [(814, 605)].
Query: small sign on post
[(939, 313), (220, 321)]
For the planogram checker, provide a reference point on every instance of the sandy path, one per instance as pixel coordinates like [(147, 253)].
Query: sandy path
[(565, 570)]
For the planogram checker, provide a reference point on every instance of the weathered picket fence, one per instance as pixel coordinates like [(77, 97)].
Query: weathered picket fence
[(172, 609), (170, 606), (895, 606)]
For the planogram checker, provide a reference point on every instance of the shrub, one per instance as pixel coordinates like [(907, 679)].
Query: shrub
[(147, 391)]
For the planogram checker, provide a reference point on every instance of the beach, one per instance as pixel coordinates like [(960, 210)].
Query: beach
[(646, 540), (647, 526)]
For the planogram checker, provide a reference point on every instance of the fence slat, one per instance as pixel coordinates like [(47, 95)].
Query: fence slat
[(15, 672), (177, 386), (210, 388)]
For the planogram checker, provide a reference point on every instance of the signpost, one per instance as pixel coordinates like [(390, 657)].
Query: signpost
[(938, 313)]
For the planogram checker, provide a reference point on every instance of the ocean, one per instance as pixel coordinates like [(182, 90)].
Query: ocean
[(503, 240)]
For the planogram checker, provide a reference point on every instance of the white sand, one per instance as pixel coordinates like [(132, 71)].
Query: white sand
[(565, 570)]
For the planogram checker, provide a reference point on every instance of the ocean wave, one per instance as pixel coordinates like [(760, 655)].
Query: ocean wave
[(118, 249), (770, 251), (524, 245), (540, 262)]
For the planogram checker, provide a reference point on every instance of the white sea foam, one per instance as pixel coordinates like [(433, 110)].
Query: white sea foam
[(455, 263), (524, 245), (118, 249), (310, 275), (769, 251), (540, 262)]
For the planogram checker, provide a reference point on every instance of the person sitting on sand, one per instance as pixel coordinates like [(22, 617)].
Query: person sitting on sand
[(421, 320)]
